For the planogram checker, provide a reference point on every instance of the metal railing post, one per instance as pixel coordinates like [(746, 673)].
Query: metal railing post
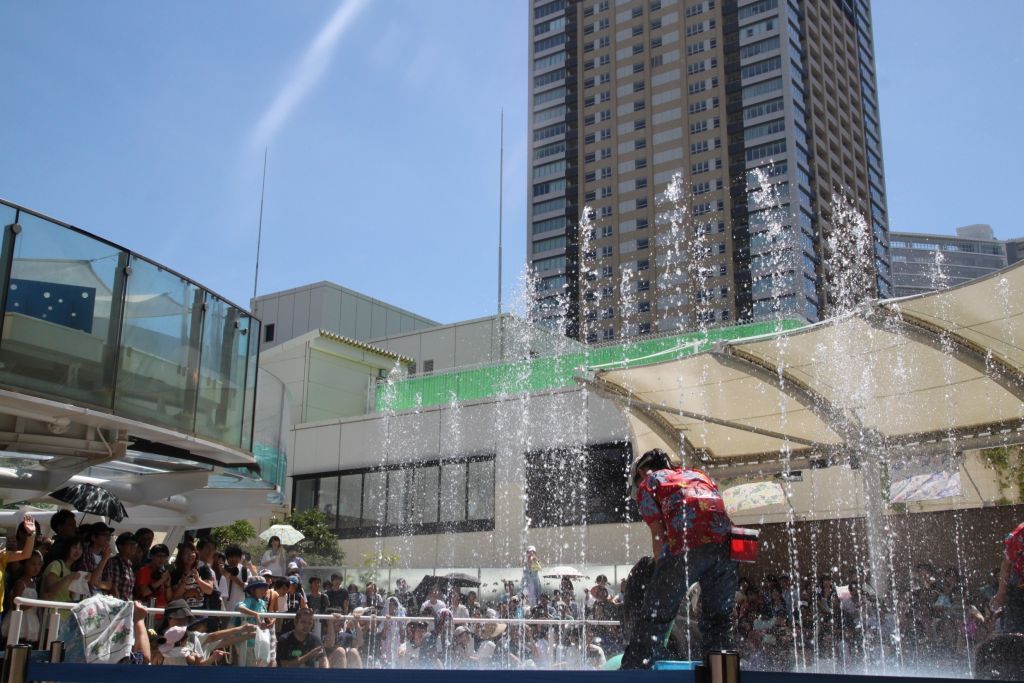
[(16, 665), (57, 652), (14, 634), (53, 629)]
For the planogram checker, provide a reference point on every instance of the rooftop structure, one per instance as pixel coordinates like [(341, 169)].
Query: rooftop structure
[(333, 308), (925, 262)]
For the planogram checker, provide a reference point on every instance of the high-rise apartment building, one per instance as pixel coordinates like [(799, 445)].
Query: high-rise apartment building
[(626, 93)]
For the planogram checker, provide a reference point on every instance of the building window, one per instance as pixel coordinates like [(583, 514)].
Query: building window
[(428, 366), (403, 499), (268, 332), (603, 469)]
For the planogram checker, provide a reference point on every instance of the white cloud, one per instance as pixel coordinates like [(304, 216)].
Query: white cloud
[(308, 72)]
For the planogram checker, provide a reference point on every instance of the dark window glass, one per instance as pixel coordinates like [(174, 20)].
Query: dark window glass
[(572, 485)]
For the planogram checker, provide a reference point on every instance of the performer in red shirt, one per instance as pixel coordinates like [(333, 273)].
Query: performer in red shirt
[(690, 544), (1011, 583)]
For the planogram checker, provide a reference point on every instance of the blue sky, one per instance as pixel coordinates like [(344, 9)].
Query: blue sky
[(146, 123)]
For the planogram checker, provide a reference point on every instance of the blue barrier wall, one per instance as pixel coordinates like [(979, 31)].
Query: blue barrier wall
[(115, 673)]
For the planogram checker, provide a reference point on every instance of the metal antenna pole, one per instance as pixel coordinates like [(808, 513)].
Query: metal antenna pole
[(501, 196), (259, 234)]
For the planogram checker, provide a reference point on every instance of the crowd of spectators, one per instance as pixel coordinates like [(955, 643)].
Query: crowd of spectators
[(836, 621), (829, 622)]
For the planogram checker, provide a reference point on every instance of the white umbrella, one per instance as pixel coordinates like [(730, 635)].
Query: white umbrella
[(562, 571), (288, 534)]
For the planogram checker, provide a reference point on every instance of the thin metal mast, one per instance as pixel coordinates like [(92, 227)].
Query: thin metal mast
[(501, 196), (259, 234)]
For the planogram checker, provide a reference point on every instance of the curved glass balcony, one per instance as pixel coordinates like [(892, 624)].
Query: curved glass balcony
[(88, 322)]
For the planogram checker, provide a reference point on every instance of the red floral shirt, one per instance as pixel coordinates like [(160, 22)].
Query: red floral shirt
[(688, 504), (1014, 544)]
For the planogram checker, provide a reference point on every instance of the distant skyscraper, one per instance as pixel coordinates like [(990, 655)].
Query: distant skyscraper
[(923, 262), (625, 93)]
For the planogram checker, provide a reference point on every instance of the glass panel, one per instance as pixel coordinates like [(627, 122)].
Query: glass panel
[(350, 500), (327, 499), (8, 216), (481, 490), (222, 373), (305, 489), (158, 368), (252, 333), (373, 498), (453, 492), (398, 496), (58, 335), (425, 501)]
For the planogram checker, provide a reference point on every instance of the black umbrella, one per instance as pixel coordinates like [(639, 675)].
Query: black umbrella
[(93, 500)]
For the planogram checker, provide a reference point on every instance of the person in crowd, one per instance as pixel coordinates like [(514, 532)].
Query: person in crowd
[(65, 531), (355, 598), (96, 555), (433, 601), (118, 576), (600, 583), (295, 558), (343, 640), (413, 653), (294, 596), (274, 558), (299, 647), (316, 599), (531, 576), (199, 645), (1010, 595), (252, 606), (206, 550), (236, 576), (173, 648), (335, 592), (153, 580), (472, 605), (24, 586), (404, 595), (58, 575), (145, 539), (689, 541), (391, 633), (186, 583), (372, 598), (459, 610), (463, 650)]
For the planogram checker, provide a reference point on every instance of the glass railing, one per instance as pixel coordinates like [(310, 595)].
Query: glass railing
[(89, 322)]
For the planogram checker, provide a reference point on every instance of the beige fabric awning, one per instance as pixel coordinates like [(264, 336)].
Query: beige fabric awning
[(915, 371)]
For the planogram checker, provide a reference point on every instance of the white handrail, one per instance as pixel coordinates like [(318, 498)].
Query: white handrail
[(15, 629)]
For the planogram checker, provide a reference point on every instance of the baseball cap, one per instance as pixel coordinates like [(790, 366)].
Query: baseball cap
[(294, 580)]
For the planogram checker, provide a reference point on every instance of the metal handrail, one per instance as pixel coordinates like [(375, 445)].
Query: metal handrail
[(14, 634)]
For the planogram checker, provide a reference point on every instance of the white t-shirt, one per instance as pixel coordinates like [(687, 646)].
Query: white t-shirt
[(437, 606)]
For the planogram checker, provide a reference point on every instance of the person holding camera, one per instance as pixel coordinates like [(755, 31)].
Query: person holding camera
[(153, 582)]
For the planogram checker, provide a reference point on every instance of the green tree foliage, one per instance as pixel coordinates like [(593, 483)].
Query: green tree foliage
[(239, 533), (320, 546)]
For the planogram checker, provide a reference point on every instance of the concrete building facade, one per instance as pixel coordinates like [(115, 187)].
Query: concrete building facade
[(626, 93), (331, 307), (925, 262)]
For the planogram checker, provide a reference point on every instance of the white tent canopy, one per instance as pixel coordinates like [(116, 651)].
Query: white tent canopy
[(915, 372)]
